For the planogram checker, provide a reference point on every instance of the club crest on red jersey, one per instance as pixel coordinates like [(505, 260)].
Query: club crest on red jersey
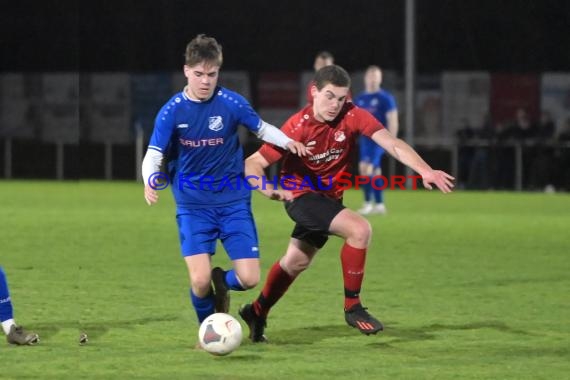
[(339, 136)]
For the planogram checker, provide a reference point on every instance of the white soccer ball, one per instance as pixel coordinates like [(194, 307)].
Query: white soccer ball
[(220, 334)]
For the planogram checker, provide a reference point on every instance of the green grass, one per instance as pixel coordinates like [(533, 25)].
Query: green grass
[(469, 285)]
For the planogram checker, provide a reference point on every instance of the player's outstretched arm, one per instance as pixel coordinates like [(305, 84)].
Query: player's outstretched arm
[(255, 170), (409, 157)]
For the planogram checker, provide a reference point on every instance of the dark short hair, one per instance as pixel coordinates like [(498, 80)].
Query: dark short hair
[(203, 49), (333, 74)]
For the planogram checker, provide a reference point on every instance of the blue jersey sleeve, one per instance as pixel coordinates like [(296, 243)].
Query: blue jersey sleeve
[(358, 100), (391, 103), (246, 114), (163, 128)]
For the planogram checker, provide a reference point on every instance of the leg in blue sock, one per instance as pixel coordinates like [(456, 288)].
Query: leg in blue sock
[(204, 306), (14, 334), (6, 310), (367, 189), (232, 281), (378, 194)]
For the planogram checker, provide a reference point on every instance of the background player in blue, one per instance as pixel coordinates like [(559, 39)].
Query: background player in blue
[(195, 134), (382, 105), (14, 334)]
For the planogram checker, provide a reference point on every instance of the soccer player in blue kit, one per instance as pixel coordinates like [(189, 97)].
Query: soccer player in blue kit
[(14, 334), (196, 135), (382, 105)]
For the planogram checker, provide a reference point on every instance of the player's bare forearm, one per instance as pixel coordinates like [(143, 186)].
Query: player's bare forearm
[(401, 151), (409, 157), (404, 153), (255, 170)]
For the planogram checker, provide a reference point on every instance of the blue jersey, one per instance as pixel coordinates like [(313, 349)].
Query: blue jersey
[(200, 143), (378, 103)]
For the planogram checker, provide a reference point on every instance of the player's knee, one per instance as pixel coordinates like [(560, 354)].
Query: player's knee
[(249, 280), (201, 284), (365, 168), (361, 233), (295, 265)]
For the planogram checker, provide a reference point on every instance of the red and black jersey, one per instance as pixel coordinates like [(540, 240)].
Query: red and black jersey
[(332, 144)]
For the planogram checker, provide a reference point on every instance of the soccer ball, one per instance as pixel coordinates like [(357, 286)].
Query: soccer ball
[(220, 334)]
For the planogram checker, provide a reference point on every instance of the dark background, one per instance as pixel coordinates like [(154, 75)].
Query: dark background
[(140, 36), (144, 35)]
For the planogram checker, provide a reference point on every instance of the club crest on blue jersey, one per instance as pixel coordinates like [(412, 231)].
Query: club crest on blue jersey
[(215, 123)]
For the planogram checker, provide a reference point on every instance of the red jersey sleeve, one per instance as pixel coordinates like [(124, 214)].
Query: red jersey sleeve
[(273, 153), (365, 122)]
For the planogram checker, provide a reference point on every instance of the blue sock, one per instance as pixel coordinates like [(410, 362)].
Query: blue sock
[(232, 281), (378, 194), (367, 192), (204, 306), (6, 311)]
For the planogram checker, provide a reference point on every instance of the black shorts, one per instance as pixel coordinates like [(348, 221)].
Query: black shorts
[(313, 214)]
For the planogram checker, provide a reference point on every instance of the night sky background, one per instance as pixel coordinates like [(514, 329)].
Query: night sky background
[(144, 35)]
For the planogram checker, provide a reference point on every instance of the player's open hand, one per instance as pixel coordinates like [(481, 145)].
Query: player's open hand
[(299, 149), (280, 195), (439, 178), (150, 195)]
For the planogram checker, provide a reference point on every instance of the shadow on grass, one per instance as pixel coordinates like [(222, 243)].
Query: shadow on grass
[(96, 330), (514, 281), (310, 335), (428, 332), (239, 357)]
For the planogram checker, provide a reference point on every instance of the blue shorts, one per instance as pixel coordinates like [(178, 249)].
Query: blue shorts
[(199, 229), (370, 152)]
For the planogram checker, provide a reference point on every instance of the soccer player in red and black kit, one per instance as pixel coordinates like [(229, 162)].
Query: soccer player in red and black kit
[(330, 126)]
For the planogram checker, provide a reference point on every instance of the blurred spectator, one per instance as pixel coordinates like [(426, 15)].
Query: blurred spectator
[(562, 179), (546, 127), (509, 138), (480, 170), (465, 134), (523, 128), (541, 156), (504, 157), (564, 135)]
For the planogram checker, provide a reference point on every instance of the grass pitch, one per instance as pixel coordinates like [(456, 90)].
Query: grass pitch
[(469, 286)]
